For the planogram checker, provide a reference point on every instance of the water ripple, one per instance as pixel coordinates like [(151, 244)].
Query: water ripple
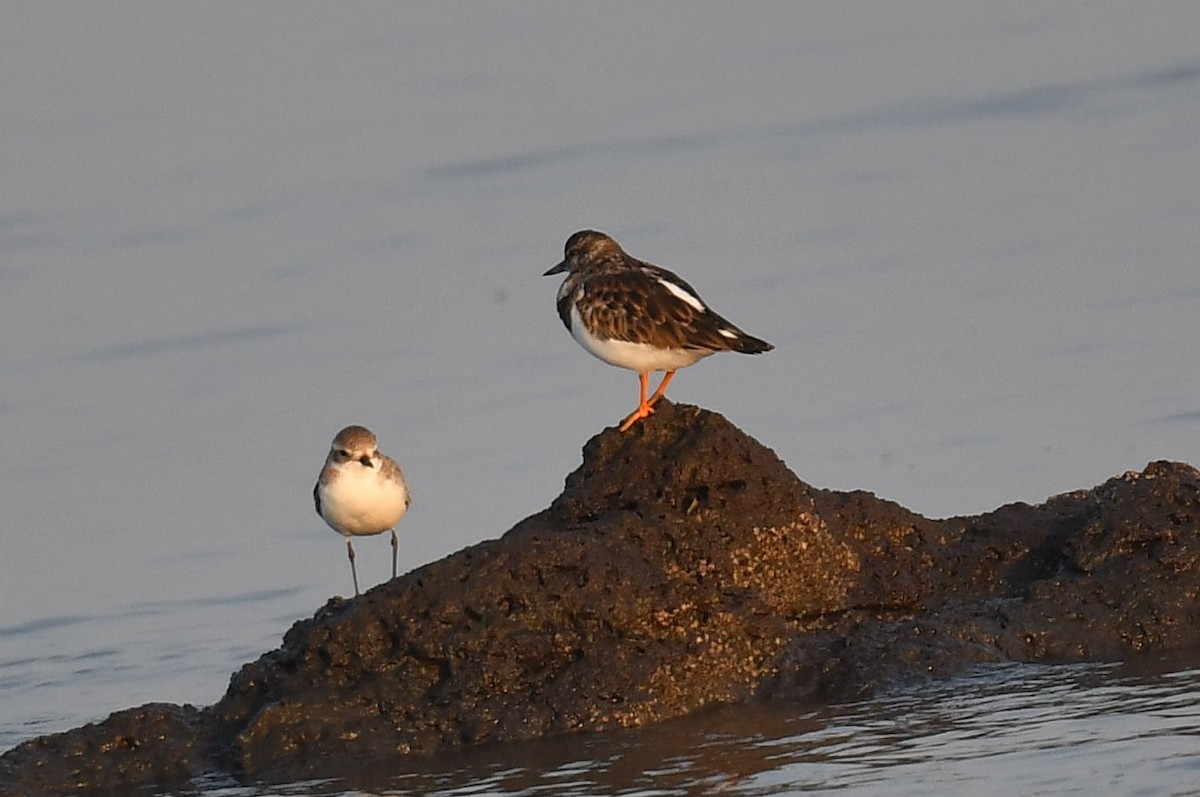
[(175, 345)]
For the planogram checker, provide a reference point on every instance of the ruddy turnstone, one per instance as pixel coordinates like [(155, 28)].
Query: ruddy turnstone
[(639, 316), (360, 492)]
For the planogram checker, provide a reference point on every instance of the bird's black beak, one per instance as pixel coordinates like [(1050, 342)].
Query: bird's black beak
[(366, 461), (561, 267)]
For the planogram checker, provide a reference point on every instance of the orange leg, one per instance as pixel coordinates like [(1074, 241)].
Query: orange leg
[(644, 409), (646, 406), (662, 388)]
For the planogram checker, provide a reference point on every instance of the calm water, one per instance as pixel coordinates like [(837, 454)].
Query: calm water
[(229, 229), (1012, 730)]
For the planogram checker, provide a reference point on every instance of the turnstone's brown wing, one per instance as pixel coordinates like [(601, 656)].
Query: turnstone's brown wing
[(654, 306)]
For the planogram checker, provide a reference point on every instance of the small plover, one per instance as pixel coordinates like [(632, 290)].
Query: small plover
[(360, 492), (636, 315)]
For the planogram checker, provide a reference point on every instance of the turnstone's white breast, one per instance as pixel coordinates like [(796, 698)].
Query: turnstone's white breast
[(639, 316)]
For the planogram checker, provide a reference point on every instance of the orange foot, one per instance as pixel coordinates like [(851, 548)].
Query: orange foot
[(646, 407), (644, 410)]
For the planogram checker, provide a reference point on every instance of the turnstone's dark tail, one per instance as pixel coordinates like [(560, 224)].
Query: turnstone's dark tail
[(748, 344)]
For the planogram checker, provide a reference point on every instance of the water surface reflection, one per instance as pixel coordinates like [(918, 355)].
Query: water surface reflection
[(1013, 729)]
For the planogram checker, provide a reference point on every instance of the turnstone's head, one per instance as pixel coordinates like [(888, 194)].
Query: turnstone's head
[(355, 443), (587, 248)]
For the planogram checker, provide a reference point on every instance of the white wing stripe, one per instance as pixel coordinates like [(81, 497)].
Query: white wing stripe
[(683, 295)]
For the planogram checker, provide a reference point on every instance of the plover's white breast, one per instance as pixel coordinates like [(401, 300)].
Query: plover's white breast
[(360, 500)]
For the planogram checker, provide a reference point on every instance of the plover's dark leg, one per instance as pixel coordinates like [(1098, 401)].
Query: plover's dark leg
[(353, 572), (662, 387), (395, 545)]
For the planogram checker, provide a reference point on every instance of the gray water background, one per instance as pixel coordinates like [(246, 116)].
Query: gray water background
[(227, 230)]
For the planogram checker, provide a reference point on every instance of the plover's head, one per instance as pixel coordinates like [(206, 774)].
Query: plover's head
[(355, 444), (586, 248)]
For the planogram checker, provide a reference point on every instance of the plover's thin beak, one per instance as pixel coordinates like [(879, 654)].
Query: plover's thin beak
[(561, 267), (366, 461)]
